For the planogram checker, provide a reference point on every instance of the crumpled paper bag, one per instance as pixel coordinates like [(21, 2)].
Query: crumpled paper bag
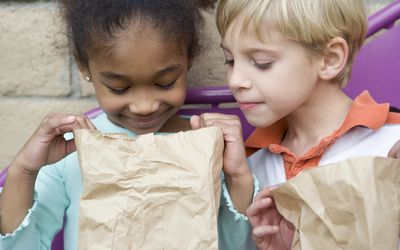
[(152, 192), (354, 204)]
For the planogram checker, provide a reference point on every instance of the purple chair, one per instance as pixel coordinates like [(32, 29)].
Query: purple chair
[(377, 66)]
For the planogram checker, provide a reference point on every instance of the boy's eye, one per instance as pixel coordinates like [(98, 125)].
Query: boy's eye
[(229, 62), (165, 86), (118, 91), (262, 66)]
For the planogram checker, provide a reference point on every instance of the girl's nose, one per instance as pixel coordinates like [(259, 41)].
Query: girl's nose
[(144, 106)]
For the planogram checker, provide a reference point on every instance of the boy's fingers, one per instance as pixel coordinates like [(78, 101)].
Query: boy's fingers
[(395, 151), (262, 231), (265, 193), (255, 208)]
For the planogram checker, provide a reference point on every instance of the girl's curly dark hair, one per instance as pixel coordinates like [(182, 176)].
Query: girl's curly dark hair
[(92, 24)]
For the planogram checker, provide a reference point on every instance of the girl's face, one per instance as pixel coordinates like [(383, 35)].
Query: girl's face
[(141, 83), (270, 79)]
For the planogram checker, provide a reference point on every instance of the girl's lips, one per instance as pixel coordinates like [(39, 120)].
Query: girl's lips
[(248, 105), (143, 122)]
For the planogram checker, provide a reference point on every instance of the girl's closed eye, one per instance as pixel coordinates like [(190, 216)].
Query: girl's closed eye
[(165, 86), (118, 91)]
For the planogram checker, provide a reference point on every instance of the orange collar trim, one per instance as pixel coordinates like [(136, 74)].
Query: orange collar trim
[(364, 111)]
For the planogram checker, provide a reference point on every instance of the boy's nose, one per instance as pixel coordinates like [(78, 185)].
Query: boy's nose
[(238, 79)]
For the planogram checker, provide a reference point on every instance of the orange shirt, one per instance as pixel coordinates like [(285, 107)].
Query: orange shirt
[(363, 112)]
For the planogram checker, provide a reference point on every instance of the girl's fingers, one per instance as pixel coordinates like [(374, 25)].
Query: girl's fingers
[(195, 122), (53, 121), (57, 124), (89, 123)]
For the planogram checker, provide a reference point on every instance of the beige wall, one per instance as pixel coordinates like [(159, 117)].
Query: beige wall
[(38, 76)]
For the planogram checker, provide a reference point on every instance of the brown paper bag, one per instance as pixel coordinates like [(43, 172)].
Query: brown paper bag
[(152, 192), (353, 204)]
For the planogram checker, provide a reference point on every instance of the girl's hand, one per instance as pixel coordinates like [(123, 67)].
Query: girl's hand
[(47, 144), (238, 177), (235, 163), (270, 230)]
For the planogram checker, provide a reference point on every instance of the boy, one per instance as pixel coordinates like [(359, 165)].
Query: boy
[(287, 64)]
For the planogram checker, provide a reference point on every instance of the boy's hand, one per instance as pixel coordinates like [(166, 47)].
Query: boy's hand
[(47, 144), (270, 230), (238, 177), (395, 151)]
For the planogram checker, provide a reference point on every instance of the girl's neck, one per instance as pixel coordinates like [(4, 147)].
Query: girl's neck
[(176, 124), (318, 117)]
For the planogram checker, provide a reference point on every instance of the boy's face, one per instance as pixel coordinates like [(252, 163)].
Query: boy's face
[(141, 83), (270, 79)]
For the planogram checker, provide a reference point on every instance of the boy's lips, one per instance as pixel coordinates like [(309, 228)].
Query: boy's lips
[(245, 106)]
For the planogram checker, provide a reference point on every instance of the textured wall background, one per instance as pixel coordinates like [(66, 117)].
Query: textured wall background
[(37, 75)]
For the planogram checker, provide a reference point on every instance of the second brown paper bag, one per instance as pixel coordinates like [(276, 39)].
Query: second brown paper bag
[(353, 204), (153, 192)]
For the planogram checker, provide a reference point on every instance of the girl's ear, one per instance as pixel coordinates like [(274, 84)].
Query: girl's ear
[(85, 73), (84, 70), (335, 59)]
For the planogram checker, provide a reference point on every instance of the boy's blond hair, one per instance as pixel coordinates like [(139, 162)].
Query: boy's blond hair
[(312, 23)]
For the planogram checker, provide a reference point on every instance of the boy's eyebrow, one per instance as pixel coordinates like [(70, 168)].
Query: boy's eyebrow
[(163, 71), (253, 49)]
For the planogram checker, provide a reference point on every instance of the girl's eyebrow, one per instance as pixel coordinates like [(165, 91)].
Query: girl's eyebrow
[(168, 69), (163, 71)]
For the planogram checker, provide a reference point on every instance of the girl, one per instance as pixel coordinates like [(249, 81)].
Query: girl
[(137, 55)]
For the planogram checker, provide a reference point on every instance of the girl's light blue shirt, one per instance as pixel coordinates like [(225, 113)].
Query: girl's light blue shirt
[(57, 193)]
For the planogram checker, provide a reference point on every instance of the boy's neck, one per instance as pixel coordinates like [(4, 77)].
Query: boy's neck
[(317, 118)]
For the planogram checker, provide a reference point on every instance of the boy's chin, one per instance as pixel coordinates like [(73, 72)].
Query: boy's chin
[(259, 123)]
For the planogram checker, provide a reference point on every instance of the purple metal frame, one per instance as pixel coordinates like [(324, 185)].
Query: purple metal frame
[(377, 65), (365, 63)]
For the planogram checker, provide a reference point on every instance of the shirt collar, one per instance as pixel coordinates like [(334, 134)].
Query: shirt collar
[(364, 111)]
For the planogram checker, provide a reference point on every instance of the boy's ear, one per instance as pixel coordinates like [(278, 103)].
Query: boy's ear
[(335, 59)]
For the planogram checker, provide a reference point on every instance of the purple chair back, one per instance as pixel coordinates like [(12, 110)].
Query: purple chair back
[(377, 66)]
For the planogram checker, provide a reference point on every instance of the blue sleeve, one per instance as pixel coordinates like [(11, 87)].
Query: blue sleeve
[(234, 229), (46, 216)]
